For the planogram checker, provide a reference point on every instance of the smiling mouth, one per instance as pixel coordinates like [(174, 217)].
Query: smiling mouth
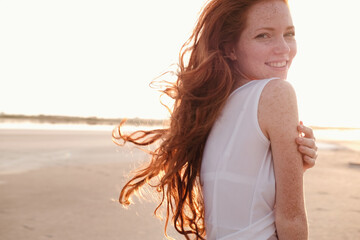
[(277, 64)]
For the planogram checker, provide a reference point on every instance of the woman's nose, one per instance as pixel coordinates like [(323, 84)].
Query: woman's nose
[(282, 47)]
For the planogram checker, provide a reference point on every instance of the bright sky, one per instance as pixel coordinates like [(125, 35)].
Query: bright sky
[(96, 58)]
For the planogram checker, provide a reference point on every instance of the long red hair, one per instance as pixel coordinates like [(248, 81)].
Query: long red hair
[(203, 85)]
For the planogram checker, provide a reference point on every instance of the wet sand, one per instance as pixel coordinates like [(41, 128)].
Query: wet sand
[(65, 185)]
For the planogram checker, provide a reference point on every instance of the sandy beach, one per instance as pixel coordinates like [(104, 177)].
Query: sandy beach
[(65, 185)]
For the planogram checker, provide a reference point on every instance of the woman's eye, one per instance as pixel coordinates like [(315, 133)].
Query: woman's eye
[(290, 34), (263, 36)]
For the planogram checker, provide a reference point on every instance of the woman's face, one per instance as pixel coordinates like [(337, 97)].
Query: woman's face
[(267, 45)]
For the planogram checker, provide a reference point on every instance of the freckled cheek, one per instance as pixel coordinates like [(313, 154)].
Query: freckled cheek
[(261, 56)]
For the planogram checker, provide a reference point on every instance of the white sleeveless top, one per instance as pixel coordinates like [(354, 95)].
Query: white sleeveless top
[(237, 173)]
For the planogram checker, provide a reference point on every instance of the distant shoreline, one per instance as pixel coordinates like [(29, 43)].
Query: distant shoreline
[(56, 119)]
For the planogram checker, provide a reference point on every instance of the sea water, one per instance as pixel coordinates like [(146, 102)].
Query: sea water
[(326, 137)]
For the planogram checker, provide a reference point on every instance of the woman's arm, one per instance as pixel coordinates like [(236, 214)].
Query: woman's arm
[(278, 118)]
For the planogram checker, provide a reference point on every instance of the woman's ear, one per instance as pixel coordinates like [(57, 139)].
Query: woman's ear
[(232, 54), (229, 52)]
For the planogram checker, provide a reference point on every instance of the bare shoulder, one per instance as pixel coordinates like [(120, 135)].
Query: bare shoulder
[(277, 107), (276, 90)]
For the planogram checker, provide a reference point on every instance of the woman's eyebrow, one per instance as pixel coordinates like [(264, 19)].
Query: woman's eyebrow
[(273, 29), (265, 28)]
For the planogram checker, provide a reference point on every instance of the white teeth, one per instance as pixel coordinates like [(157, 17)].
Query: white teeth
[(277, 64)]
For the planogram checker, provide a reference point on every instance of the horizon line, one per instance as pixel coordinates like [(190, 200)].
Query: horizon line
[(94, 120)]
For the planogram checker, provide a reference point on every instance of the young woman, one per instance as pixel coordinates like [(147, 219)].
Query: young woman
[(214, 166)]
